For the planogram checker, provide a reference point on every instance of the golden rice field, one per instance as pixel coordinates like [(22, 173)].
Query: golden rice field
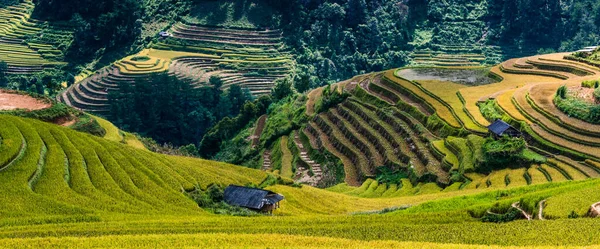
[(64, 189)]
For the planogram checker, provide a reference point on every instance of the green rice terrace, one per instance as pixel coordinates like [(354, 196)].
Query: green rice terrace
[(28, 45), (248, 58), (434, 127)]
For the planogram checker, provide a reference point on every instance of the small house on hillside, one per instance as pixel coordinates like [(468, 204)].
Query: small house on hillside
[(501, 128), (587, 50), (252, 198), (164, 34)]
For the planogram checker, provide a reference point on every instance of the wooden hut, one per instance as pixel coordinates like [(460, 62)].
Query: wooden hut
[(252, 198), (501, 128)]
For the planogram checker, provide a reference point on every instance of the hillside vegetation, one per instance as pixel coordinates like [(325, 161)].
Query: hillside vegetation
[(58, 182), (371, 119)]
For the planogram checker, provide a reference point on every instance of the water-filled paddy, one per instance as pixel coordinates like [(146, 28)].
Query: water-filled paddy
[(471, 76)]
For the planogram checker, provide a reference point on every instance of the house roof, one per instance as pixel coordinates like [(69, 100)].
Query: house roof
[(499, 127), (586, 50), (250, 197)]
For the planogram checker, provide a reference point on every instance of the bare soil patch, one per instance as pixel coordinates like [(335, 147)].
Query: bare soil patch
[(13, 101), (582, 93)]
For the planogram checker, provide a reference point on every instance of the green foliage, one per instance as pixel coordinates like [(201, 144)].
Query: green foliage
[(590, 83), (511, 215), (597, 94), (228, 127), (389, 175), (331, 97), (85, 123), (488, 110), (212, 200), (562, 92), (283, 117), (98, 24), (579, 108), (164, 108), (3, 72), (282, 89), (506, 151)]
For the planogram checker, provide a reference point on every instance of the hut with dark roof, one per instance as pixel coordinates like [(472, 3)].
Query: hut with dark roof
[(501, 128), (252, 198)]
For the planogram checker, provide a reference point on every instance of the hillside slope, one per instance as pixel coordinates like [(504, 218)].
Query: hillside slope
[(431, 124)]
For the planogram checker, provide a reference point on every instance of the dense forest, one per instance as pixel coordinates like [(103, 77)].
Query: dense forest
[(171, 111)]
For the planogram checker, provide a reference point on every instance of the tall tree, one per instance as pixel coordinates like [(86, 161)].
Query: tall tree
[(3, 73)]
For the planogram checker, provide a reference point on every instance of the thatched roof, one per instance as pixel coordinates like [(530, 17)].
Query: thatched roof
[(253, 198)]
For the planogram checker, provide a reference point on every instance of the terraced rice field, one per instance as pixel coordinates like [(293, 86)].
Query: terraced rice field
[(57, 182), (365, 137), (533, 104), (250, 59), (385, 123), (28, 45), (450, 56), (253, 59)]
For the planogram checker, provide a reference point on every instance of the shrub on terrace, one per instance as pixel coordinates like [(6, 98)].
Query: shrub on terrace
[(562, 92), (212, 200), (590, 83), (502, 152), (330, 98)]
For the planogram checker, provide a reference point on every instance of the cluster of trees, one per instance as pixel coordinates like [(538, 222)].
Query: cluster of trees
[(172, 111), (98, 24), (44, 82), (549, 23), (337, 39), (3, 74), (229, 127)]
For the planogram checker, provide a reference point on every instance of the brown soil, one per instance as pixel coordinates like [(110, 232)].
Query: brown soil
[(583, 93), (12, 101)]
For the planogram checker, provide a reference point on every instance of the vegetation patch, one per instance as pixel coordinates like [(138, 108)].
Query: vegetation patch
[(584, 108)]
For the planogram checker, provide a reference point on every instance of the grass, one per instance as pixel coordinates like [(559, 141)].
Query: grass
[(286, 158)]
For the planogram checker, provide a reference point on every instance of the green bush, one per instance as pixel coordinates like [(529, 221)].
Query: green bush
[(502, 152), (511, 215), (140, 58), (590, 83), (87, 124), (562, 92)]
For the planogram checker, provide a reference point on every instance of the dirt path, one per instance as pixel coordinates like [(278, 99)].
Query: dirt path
[(68, 123), (518, 207), (260, 126), (541, 212), (595, 210), (13, 101), (267, 161), (302, 173)]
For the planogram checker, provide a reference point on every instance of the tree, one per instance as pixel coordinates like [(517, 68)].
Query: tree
[(70, 80), (356, 12), (282, 89), (3, 72), (302, 83), (237, 97)]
